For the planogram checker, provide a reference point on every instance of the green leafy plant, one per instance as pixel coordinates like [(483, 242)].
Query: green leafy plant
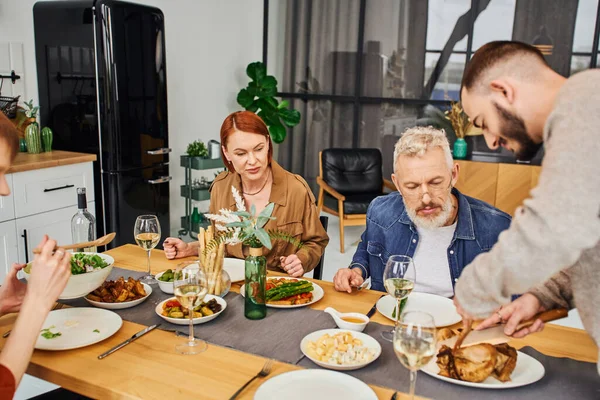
[(245, 227), (197, 149), (30, 110), (259, 97)]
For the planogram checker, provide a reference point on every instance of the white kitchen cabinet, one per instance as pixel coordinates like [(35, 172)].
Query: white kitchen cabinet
[(7, 203), (56, 224), (49, 189), (8, 247)]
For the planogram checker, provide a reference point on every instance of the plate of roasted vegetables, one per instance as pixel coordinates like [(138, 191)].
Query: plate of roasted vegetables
[(485, 366), (119, 294), (290, 292), (171, 310)]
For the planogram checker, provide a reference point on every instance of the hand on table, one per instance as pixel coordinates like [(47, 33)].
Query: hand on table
[(292, 265), (345, 279), (176, 248), (12, 291), (50, 271), (523, 308)]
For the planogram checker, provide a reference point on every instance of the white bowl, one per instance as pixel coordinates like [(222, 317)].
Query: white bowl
[(353, 326), (195, 321), (83, 284), (123, 304), (166, 287), (367, 341)]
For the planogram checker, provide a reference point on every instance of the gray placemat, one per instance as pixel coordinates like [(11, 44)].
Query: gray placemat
[(564, 378), (277, 336)]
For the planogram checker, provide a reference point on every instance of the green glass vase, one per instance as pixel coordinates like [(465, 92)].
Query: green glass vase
[(47, 137), (255, 306), (460, 149), (33, 138)]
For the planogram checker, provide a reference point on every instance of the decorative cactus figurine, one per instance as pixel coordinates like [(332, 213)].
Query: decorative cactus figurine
[(47, 136), (32, 132)]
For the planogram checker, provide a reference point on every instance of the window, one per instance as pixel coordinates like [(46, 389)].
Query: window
[(412, 56)]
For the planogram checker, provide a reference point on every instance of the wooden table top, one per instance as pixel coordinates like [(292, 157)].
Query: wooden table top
[(30, 162), (149, 368)]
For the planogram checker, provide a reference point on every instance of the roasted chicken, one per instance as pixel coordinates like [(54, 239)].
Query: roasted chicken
[(477, 362)]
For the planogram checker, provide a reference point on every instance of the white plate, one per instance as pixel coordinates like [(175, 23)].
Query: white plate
[(186, 321), (440, 308), (314, 384), (317, 292), (236, 268), (122, 305), (367, 341), (77, 326), (527, 371)]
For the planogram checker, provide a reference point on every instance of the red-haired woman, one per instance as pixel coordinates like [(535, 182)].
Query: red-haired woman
[(247, 150), (50, 272)]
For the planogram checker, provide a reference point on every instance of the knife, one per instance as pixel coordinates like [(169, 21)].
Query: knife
[(496, 335), (131, 339), (372, 310)]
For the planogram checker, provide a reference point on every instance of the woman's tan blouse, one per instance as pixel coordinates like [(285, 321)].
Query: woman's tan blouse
[(295, 212)]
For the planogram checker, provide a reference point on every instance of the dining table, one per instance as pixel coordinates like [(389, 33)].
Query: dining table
[(149, 368)]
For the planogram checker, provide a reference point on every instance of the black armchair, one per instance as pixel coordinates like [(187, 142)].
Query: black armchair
[(349, 179)]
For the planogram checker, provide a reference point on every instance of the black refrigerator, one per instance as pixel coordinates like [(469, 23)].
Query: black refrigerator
[(103, 90)]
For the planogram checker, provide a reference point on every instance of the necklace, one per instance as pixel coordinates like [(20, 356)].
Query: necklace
[(260, 190)]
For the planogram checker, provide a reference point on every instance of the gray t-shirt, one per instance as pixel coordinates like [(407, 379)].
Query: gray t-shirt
[(553, 244), (431, 261)]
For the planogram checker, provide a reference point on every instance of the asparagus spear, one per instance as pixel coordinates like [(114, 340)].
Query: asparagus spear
[(291, 291)]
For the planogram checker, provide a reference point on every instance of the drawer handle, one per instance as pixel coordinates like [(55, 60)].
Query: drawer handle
[(58, 188), (164, 150), (162, 179)]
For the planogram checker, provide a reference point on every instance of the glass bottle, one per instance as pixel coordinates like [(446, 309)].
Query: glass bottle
[(195, 219), (83, 224), (255, 306)]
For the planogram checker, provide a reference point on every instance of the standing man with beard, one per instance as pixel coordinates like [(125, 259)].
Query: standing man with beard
[(427, 219), (552, 248)]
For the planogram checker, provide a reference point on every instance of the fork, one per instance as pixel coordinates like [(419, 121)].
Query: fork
[(57, 306), (266, 370)]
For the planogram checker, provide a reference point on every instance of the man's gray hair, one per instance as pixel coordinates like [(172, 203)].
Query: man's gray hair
[(416, 141)]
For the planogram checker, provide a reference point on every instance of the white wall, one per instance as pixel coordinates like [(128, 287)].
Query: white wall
[(208, 43)]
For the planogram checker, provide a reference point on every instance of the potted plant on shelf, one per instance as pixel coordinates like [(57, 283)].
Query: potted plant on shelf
[(259, 97), (247, 228), (196, 157)]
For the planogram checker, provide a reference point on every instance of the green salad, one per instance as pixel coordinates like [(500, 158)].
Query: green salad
[(81, 263)]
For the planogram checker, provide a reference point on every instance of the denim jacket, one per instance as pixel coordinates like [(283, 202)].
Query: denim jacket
[(390, 231)]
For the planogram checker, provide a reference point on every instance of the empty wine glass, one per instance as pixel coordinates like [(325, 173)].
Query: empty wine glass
[(399, 278), (415, 343), (190, 287), (147, 236)]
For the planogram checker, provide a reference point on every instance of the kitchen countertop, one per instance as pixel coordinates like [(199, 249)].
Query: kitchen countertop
[(30, 162)]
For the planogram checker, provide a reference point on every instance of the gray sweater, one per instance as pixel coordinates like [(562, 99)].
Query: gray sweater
[(552, 247)]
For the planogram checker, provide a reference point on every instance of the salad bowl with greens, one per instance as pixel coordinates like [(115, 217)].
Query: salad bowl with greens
[(88, 272)]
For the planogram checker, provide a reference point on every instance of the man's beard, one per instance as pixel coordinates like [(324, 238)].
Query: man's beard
[(513, 127), (434, 222)]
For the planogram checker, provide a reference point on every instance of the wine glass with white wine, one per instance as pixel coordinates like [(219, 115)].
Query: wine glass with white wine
[(147, 236), (190, 287), (415, 343), (399, 278)]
